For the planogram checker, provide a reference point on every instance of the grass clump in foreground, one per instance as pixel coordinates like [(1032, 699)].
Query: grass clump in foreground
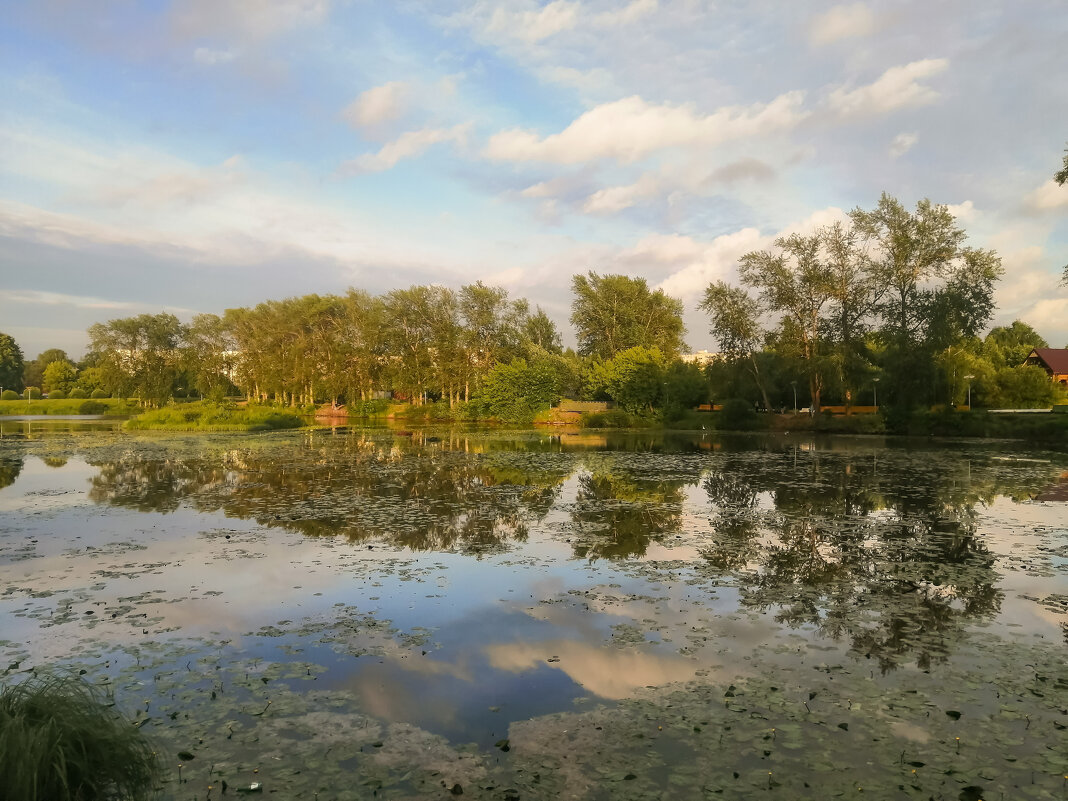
[(207, 416), (59, 741)]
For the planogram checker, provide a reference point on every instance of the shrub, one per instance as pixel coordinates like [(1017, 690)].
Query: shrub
[(92, 407), (98, 394), (10, 394), (59, 741), (32, 393), (57, 394), (738, 415), (611, 418), (77, 393)]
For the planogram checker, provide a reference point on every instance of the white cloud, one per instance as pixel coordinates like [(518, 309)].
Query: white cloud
[(631, 128), (210, 57), (244, 20), (902, 144), (1049, 196), (616, 198), (697, 263), (627, 15), (36, 297), (896, 88), (535, 24), (407, 145), (964, 212), (378, 105), (841, 22)]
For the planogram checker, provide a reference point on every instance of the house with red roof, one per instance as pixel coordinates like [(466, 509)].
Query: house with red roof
[(1053, 360)]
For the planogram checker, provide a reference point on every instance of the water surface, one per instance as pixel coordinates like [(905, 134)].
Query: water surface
[(357, 612)]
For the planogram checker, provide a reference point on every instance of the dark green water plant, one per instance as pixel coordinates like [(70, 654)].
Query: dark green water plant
[(61, 741)]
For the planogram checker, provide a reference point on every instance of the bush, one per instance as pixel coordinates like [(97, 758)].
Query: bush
[(32, 393), (612, 418), (92, 407), (10, 394), (738, 414), (97, 394), (57, 394), (59, 741), (77, 393)]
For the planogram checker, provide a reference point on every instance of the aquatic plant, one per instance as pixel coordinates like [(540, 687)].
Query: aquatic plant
[(60, 740)]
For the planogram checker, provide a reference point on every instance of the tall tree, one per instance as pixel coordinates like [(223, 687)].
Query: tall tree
[(796, 285), (539, 330), (735, 324), (491, 330), (59, 376), (209, 354), (12, 363), (140, 355), (932, 289), (612, 313), (33, 375)]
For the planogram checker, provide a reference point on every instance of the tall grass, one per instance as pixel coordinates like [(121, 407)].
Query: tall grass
[(206, 416), (59, 741)]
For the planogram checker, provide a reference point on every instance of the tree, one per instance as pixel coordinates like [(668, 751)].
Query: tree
[(491, 330), (60, 376), (12, 364), (140, 355), (612, 313), (633, 378), (540, 330), (735, 323), (33, 376), (796, 285), (1008, 346), (208, 354), (932, 291), (1061, 176)]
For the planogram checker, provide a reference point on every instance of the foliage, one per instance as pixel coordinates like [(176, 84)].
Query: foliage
[(611, 418), (516, 391), (367, 408), (612, 313), (633, 378), (61, 406), (32, 393), (9, 394), (737, 414), (57, 394), (60, 741), (34, 371), (735, 324), (92, 407), (77, 392), (1008, 346), (207, 416), (139, 355), (97, 394), (59, 375), (1061, 176), (12, 364)]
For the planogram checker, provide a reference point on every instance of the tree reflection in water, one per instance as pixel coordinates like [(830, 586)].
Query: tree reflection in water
[(10, 467), (873, 545)]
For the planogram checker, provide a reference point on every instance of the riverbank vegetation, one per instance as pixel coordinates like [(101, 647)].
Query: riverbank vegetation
[(885, 310), (61, 741), (208, 416)]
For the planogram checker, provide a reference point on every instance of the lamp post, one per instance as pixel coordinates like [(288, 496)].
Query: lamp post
[(969, 380), (875, 390), (794, 385)]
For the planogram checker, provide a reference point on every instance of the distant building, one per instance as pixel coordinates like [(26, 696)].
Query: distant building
[(1053, 360), (701, 357)]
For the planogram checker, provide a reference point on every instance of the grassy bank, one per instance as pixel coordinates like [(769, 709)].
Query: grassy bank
[(206, 416), (68, 406)]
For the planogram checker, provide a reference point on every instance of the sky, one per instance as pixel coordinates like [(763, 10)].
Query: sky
[(197, 155)]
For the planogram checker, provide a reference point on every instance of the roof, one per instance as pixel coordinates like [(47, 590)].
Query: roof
[(1055, 359)]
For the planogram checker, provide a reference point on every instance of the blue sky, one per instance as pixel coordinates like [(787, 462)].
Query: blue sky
[(199, 155)]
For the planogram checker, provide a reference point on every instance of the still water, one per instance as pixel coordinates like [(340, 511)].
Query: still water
[(347, 614)]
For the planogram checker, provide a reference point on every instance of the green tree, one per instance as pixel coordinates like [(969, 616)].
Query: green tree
[(735, 324), (932, 290), (633, 378), (33, 376), (518, 390), (209, 355), (11, 363), (540, 331), (60, 376), (612, 313), (1008, 346), (140, 355), (1061, 176)]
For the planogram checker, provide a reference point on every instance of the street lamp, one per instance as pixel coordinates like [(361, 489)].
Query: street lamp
[(875, 389), (794, 385), (969, 380)]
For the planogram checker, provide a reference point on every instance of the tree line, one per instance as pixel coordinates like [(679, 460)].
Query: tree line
[(891, 295)]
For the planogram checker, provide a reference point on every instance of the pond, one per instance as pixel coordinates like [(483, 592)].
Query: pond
[(347, 614)]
